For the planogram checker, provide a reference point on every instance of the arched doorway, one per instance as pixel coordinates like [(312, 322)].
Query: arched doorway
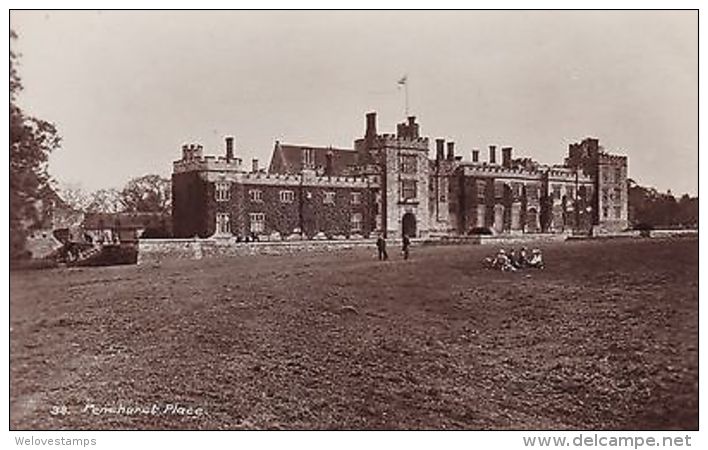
[(408, 227), (532, 220), (498, 218), (481, 210)]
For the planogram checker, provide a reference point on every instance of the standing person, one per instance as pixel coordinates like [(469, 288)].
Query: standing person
[(406, 246), (381, 246)]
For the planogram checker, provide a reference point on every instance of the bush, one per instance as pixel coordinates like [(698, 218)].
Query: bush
[(18, 241), (480, 230), (644, 229), (155, 233), (111, 255)]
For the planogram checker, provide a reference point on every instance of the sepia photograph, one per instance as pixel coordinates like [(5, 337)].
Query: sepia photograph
[(480, 220)]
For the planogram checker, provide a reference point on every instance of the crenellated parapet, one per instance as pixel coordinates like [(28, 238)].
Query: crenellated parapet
[(208, 164), (292, 180), (192, 151), (612, 159), (556, 174), (497, 171), (393, 141), (306, 179), (193, 159), (568, 175)]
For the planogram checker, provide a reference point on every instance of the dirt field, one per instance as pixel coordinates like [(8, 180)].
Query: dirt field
[(605, 338)]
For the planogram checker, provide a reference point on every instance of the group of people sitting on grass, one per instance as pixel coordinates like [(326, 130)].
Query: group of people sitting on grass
[(512, 261)]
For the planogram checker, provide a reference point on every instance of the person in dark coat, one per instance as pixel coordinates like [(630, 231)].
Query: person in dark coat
[(406, 246), (513, 258), (523, 257), (381, 246)]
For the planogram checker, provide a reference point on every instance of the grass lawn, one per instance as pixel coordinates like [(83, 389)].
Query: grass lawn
[(605, 338)]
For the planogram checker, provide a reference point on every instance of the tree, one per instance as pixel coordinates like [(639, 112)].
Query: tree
[(149, 193), (647, 206), (105, 201), (99, 201), (688, 211), (31, 141), (74, 196)]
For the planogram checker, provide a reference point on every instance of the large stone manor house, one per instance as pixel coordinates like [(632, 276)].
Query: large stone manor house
[(391, 184)]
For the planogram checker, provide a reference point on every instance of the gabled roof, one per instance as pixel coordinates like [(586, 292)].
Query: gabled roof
[(288, 158)]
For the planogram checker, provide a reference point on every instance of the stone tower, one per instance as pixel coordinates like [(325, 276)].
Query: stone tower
[(612, 193), (609, 172), (401, 162)]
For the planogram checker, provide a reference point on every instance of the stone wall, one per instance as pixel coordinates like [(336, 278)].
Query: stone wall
[(674, 233), (499, 240), (154, 250), (600, 233), (503, 240), (42, 243)]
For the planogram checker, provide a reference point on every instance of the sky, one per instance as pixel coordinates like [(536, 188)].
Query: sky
[(126, 89)]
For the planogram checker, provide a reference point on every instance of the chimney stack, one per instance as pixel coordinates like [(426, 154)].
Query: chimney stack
[(440, 149), (370, 124), (506, 157), (255, 165), (492, 154), (408, 130), (450, 151), (475, 155), (229, 148)]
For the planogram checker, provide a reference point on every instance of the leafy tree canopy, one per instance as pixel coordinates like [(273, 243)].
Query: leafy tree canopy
[(31, 141)]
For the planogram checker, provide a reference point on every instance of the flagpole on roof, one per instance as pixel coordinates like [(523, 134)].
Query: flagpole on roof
[(404, 82), (406, 97)]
